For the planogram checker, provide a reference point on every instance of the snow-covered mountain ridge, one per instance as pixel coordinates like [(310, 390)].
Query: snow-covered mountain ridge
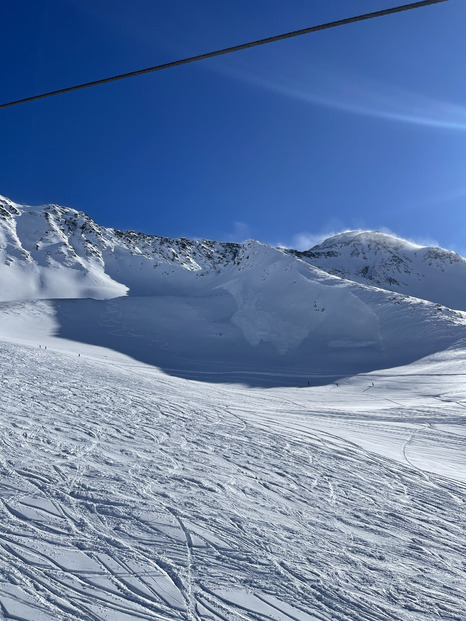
[(385, 261), (58, 252), (221, 307)]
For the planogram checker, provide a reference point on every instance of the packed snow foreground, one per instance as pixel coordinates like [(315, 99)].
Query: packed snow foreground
[(206, 431)]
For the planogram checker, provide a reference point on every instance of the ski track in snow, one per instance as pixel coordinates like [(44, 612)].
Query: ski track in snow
[(128, 494)]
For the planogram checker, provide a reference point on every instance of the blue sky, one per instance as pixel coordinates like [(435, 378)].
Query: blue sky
[(361, 126)]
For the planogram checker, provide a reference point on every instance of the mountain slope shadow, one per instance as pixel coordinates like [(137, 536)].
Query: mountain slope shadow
[(195, 338)]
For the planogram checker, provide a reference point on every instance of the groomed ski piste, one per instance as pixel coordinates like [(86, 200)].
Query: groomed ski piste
[(280, 443)]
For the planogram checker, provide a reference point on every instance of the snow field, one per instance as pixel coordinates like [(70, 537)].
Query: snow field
[(129, 494)]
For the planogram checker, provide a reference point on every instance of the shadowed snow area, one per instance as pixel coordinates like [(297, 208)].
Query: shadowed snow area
[(197, 431), (208, 338)]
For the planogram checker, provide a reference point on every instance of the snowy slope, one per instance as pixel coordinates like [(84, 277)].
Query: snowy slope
[(386, 261), (201, 306), (58, 252), (128, 494), (284, 324)]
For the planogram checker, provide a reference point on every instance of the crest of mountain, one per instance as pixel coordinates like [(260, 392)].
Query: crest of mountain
[(385, 261), (225, 306), (58, 252)]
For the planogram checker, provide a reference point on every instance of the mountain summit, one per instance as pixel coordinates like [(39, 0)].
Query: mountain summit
[(385, 261)]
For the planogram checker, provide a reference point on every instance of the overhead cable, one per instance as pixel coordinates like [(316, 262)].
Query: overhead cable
[(229, 50)]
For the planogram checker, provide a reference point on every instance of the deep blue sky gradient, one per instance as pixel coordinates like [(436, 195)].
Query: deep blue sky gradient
[(361, 126)]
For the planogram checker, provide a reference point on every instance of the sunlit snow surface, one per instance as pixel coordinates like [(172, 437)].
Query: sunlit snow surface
[(127, 493)]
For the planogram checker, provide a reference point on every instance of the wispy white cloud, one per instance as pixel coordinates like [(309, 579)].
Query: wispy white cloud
[(303, 240), (336, 87), (240, 233)]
